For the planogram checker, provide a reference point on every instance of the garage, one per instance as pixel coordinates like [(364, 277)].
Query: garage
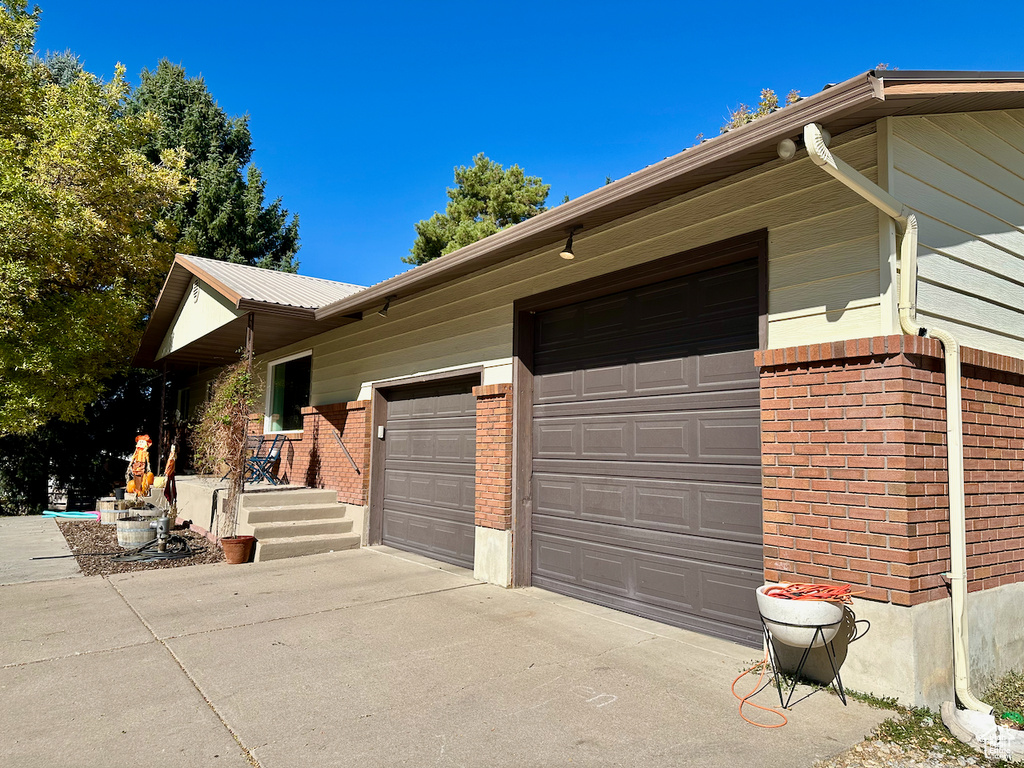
[(429, 470), (646, 474)]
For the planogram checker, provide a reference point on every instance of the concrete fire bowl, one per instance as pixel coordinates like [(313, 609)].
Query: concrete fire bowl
[(794, 622)]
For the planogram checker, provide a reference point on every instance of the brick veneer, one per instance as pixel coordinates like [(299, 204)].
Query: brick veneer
[(315, 458), (494, 456), (854, 466)]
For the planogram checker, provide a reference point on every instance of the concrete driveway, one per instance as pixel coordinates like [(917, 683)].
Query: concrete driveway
[(371, 657)]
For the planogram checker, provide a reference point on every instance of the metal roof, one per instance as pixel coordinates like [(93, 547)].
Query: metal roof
[(268, 286), (283, 305)]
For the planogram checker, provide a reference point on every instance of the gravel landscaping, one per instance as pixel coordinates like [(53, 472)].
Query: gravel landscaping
[(93, 545)]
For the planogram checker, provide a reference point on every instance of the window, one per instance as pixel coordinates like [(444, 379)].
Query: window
[(287, 392), (181, 412)]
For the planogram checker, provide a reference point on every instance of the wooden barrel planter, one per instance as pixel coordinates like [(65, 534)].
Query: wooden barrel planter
[(134, 532), (111, 516)]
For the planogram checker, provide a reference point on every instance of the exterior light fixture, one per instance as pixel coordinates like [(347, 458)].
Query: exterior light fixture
[(567, 253), (383, 311)]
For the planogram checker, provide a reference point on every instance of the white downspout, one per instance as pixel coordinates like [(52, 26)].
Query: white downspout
[(906, 223)]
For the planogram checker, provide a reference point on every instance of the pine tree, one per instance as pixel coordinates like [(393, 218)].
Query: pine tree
[(226, 216)]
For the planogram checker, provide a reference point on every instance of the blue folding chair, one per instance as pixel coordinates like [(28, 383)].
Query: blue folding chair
[(260, 466)]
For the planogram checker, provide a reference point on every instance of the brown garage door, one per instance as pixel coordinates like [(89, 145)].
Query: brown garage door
[(429, 472), (647, 462)]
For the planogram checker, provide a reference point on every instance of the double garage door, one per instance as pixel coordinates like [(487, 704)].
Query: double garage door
[(646, 462)]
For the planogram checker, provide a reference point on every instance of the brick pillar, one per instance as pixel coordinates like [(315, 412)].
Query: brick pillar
[(854, 466), (494, 456)]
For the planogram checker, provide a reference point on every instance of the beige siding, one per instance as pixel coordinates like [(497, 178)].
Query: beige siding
[(196, 318), (823, 274), (964, 176)]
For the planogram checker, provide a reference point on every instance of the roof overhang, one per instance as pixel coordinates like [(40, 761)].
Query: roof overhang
[(839, 108), (274, 325)]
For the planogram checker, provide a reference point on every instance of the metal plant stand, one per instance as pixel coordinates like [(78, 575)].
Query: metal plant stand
[(773, 655)]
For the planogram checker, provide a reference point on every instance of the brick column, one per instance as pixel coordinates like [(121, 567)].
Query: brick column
[(494, 456), (854, 466)]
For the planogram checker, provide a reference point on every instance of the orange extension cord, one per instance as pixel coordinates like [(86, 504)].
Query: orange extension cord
[(762, 665), (838, 594)]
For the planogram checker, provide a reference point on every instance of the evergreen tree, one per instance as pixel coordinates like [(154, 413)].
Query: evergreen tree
[(487, 198), (225, 217)]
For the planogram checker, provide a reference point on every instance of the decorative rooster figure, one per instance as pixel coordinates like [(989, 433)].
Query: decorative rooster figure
[(139, 476)]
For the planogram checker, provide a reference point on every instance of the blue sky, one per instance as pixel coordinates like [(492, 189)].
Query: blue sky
[(359, 111)]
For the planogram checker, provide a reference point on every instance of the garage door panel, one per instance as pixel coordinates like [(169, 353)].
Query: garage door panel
[(441, 539), (655, 403), (428, 488), (639, 539), (729, 435), (646, 451), (721, 510), (430, 472), (704, 337), (696, 436), (746, 473), (720, 374), (727, 370), (690, 593), (605, 568), (454, 446)]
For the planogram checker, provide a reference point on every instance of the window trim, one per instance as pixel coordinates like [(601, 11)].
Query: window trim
[(268, 396)]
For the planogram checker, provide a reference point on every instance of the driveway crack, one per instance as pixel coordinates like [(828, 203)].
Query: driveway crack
[(249, 756)]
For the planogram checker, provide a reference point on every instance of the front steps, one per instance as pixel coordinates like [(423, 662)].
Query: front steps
[(295, 522)]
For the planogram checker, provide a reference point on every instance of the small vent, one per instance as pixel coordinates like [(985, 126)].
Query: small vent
[(195, 291)]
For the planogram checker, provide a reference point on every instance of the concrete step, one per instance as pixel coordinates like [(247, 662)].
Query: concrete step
[(275, 498), (297, 546), (278, 530), (297, 512)]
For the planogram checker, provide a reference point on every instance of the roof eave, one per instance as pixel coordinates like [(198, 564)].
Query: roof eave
[(555, 223)]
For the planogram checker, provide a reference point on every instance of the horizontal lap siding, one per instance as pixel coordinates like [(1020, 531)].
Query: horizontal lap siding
[(820, 234), (964, 177)]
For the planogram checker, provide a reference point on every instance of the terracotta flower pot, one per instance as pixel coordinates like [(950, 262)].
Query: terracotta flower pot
[(238, 549)]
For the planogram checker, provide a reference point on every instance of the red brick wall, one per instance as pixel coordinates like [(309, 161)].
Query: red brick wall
[(494, 456), (315, 458), (854, 466)]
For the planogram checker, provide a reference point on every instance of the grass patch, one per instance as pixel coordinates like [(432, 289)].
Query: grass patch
[(921, 728)]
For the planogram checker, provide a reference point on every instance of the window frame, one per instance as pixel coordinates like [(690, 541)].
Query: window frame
[(269, 395)]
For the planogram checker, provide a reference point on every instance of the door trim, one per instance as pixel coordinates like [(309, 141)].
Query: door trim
[(741, 248)]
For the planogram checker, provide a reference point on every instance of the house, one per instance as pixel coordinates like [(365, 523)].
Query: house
[(716, 391)]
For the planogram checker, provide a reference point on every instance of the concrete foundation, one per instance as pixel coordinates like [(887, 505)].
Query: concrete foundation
[(907, 653), (360, 516), (492, 558)]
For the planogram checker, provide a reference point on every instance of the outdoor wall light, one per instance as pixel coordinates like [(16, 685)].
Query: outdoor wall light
[(383, 311), (567, 253)]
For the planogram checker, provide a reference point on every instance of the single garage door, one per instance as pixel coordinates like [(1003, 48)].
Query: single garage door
[(430, 471), (647, 461)]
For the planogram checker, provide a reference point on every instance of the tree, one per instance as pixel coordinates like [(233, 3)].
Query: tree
[(85, 458), (743, 114), (83, 248), (486, 199), (225, 217)]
